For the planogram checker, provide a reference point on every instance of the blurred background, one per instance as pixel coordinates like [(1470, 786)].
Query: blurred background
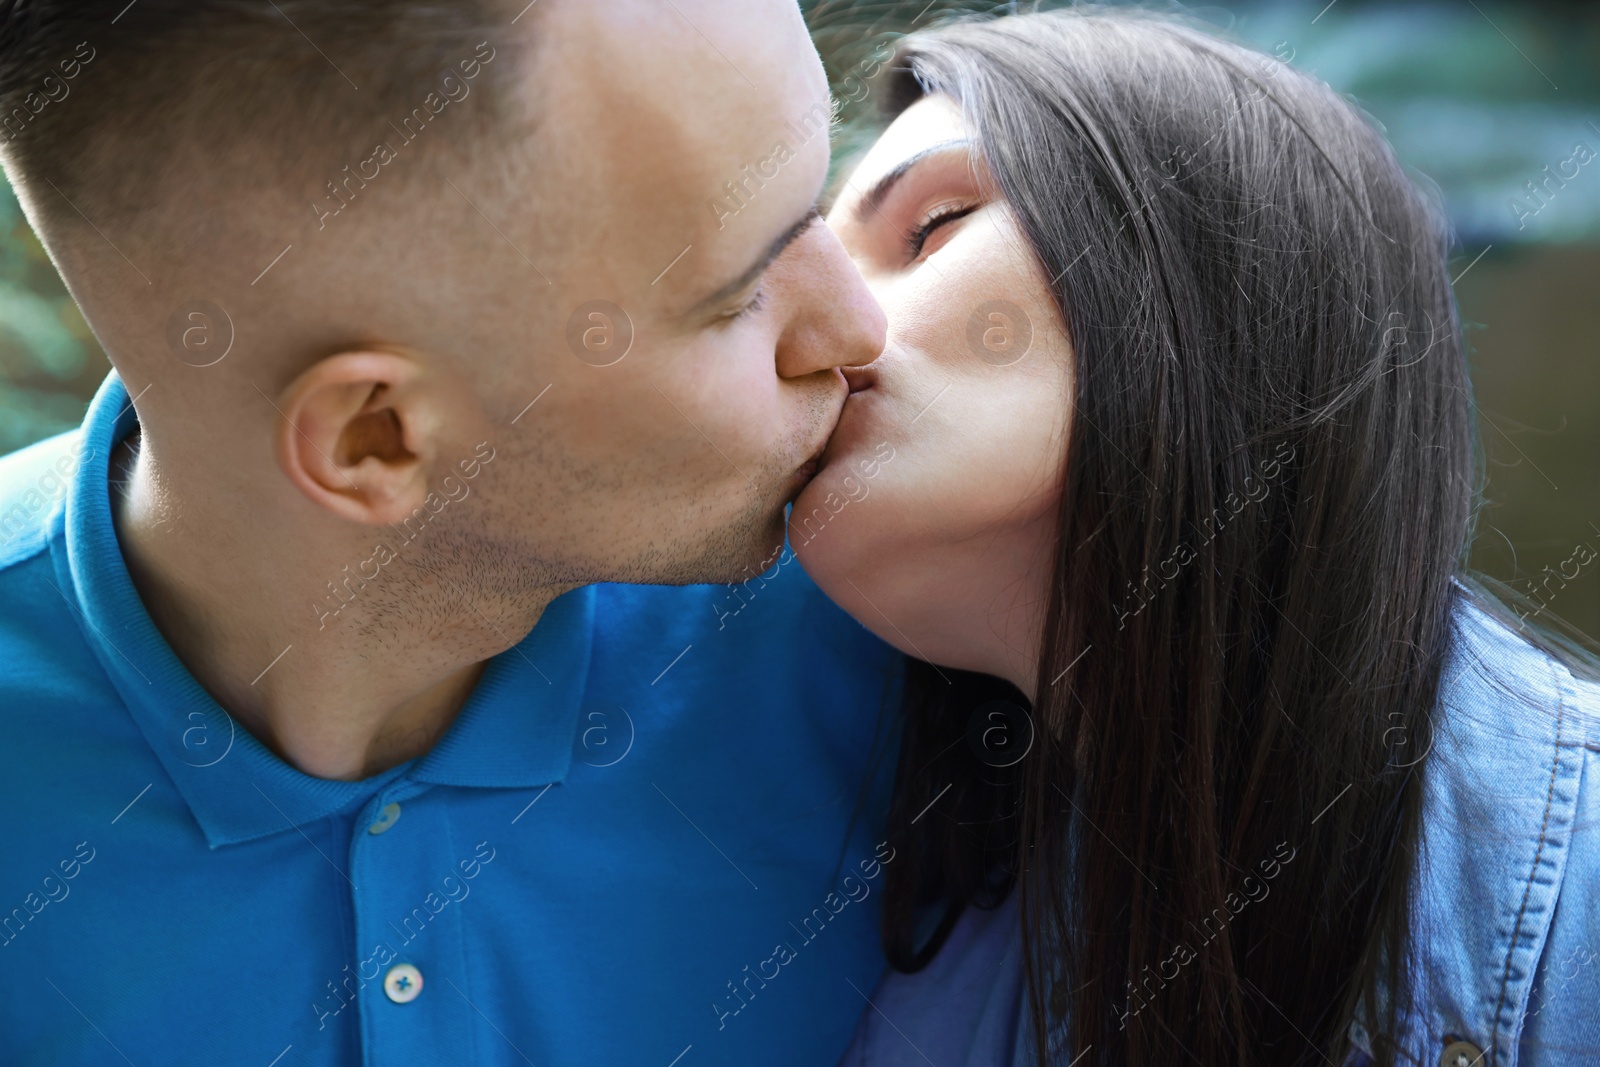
[(1498, 104)]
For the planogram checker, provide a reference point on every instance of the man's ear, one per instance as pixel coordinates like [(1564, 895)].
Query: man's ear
[(360, 435)]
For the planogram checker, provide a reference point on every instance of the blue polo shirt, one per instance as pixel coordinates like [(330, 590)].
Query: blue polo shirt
[(649, 838)]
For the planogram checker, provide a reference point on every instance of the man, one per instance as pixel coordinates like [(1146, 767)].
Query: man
[(320, 747)]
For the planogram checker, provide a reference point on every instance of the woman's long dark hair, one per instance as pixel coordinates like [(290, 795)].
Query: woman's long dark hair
[(1269, 485)]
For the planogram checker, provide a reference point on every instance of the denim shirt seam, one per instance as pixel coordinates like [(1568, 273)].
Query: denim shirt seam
[(1567, 766), (1533, 872)]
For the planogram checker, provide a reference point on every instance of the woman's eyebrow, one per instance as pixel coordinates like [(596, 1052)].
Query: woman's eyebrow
[(885, 185)]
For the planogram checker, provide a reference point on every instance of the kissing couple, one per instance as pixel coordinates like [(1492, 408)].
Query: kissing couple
[(564, 571)]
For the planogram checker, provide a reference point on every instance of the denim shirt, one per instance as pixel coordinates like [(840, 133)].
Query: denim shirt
[(1506, 925)]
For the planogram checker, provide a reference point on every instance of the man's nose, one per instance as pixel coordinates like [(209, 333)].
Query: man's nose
[(835, 320)]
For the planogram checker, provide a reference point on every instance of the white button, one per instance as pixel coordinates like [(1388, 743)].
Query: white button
[(1461, 1054), (386, 818), (402, 983)]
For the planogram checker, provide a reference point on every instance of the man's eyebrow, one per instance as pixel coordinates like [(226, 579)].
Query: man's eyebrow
[(756, 269), (885, 185)]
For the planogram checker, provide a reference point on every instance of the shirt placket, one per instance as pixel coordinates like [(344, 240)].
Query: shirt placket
[(408, 896)]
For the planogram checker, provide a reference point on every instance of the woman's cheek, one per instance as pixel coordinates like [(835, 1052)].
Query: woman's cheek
[(1008, 461)]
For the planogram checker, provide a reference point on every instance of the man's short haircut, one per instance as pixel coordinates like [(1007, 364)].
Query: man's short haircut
[(111, 101)]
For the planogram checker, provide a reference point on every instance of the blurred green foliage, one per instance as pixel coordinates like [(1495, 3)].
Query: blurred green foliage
[(47, 354), (1478, 97)]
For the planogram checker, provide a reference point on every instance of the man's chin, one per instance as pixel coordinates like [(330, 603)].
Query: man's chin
[(736, 548), (735, 553)]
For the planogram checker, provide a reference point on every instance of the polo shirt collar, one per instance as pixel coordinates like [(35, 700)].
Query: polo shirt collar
[(515, 731)]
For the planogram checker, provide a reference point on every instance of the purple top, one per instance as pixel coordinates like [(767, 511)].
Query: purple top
[(965, 1009)]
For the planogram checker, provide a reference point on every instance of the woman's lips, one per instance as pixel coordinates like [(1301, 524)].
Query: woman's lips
[(860, 378)]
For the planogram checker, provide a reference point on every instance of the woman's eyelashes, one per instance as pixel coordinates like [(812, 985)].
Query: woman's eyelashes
[(917, 240)]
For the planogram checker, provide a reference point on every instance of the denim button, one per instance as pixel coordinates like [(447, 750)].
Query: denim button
[(1461, 1054), (403, 983), (386, 818)]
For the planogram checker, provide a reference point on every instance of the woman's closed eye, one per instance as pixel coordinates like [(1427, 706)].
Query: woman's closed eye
[(933, 222), (913, 207)]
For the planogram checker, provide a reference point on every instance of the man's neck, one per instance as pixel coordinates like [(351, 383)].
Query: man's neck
[(347, 701)]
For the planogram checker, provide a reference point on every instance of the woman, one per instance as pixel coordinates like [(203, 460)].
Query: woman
[(1165, 481)]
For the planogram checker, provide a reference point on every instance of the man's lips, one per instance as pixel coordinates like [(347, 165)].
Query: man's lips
[(808, 470), (859, 379)]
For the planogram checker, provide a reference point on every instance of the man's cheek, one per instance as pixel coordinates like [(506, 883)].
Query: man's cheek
[(600, 427), (748, 422)]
